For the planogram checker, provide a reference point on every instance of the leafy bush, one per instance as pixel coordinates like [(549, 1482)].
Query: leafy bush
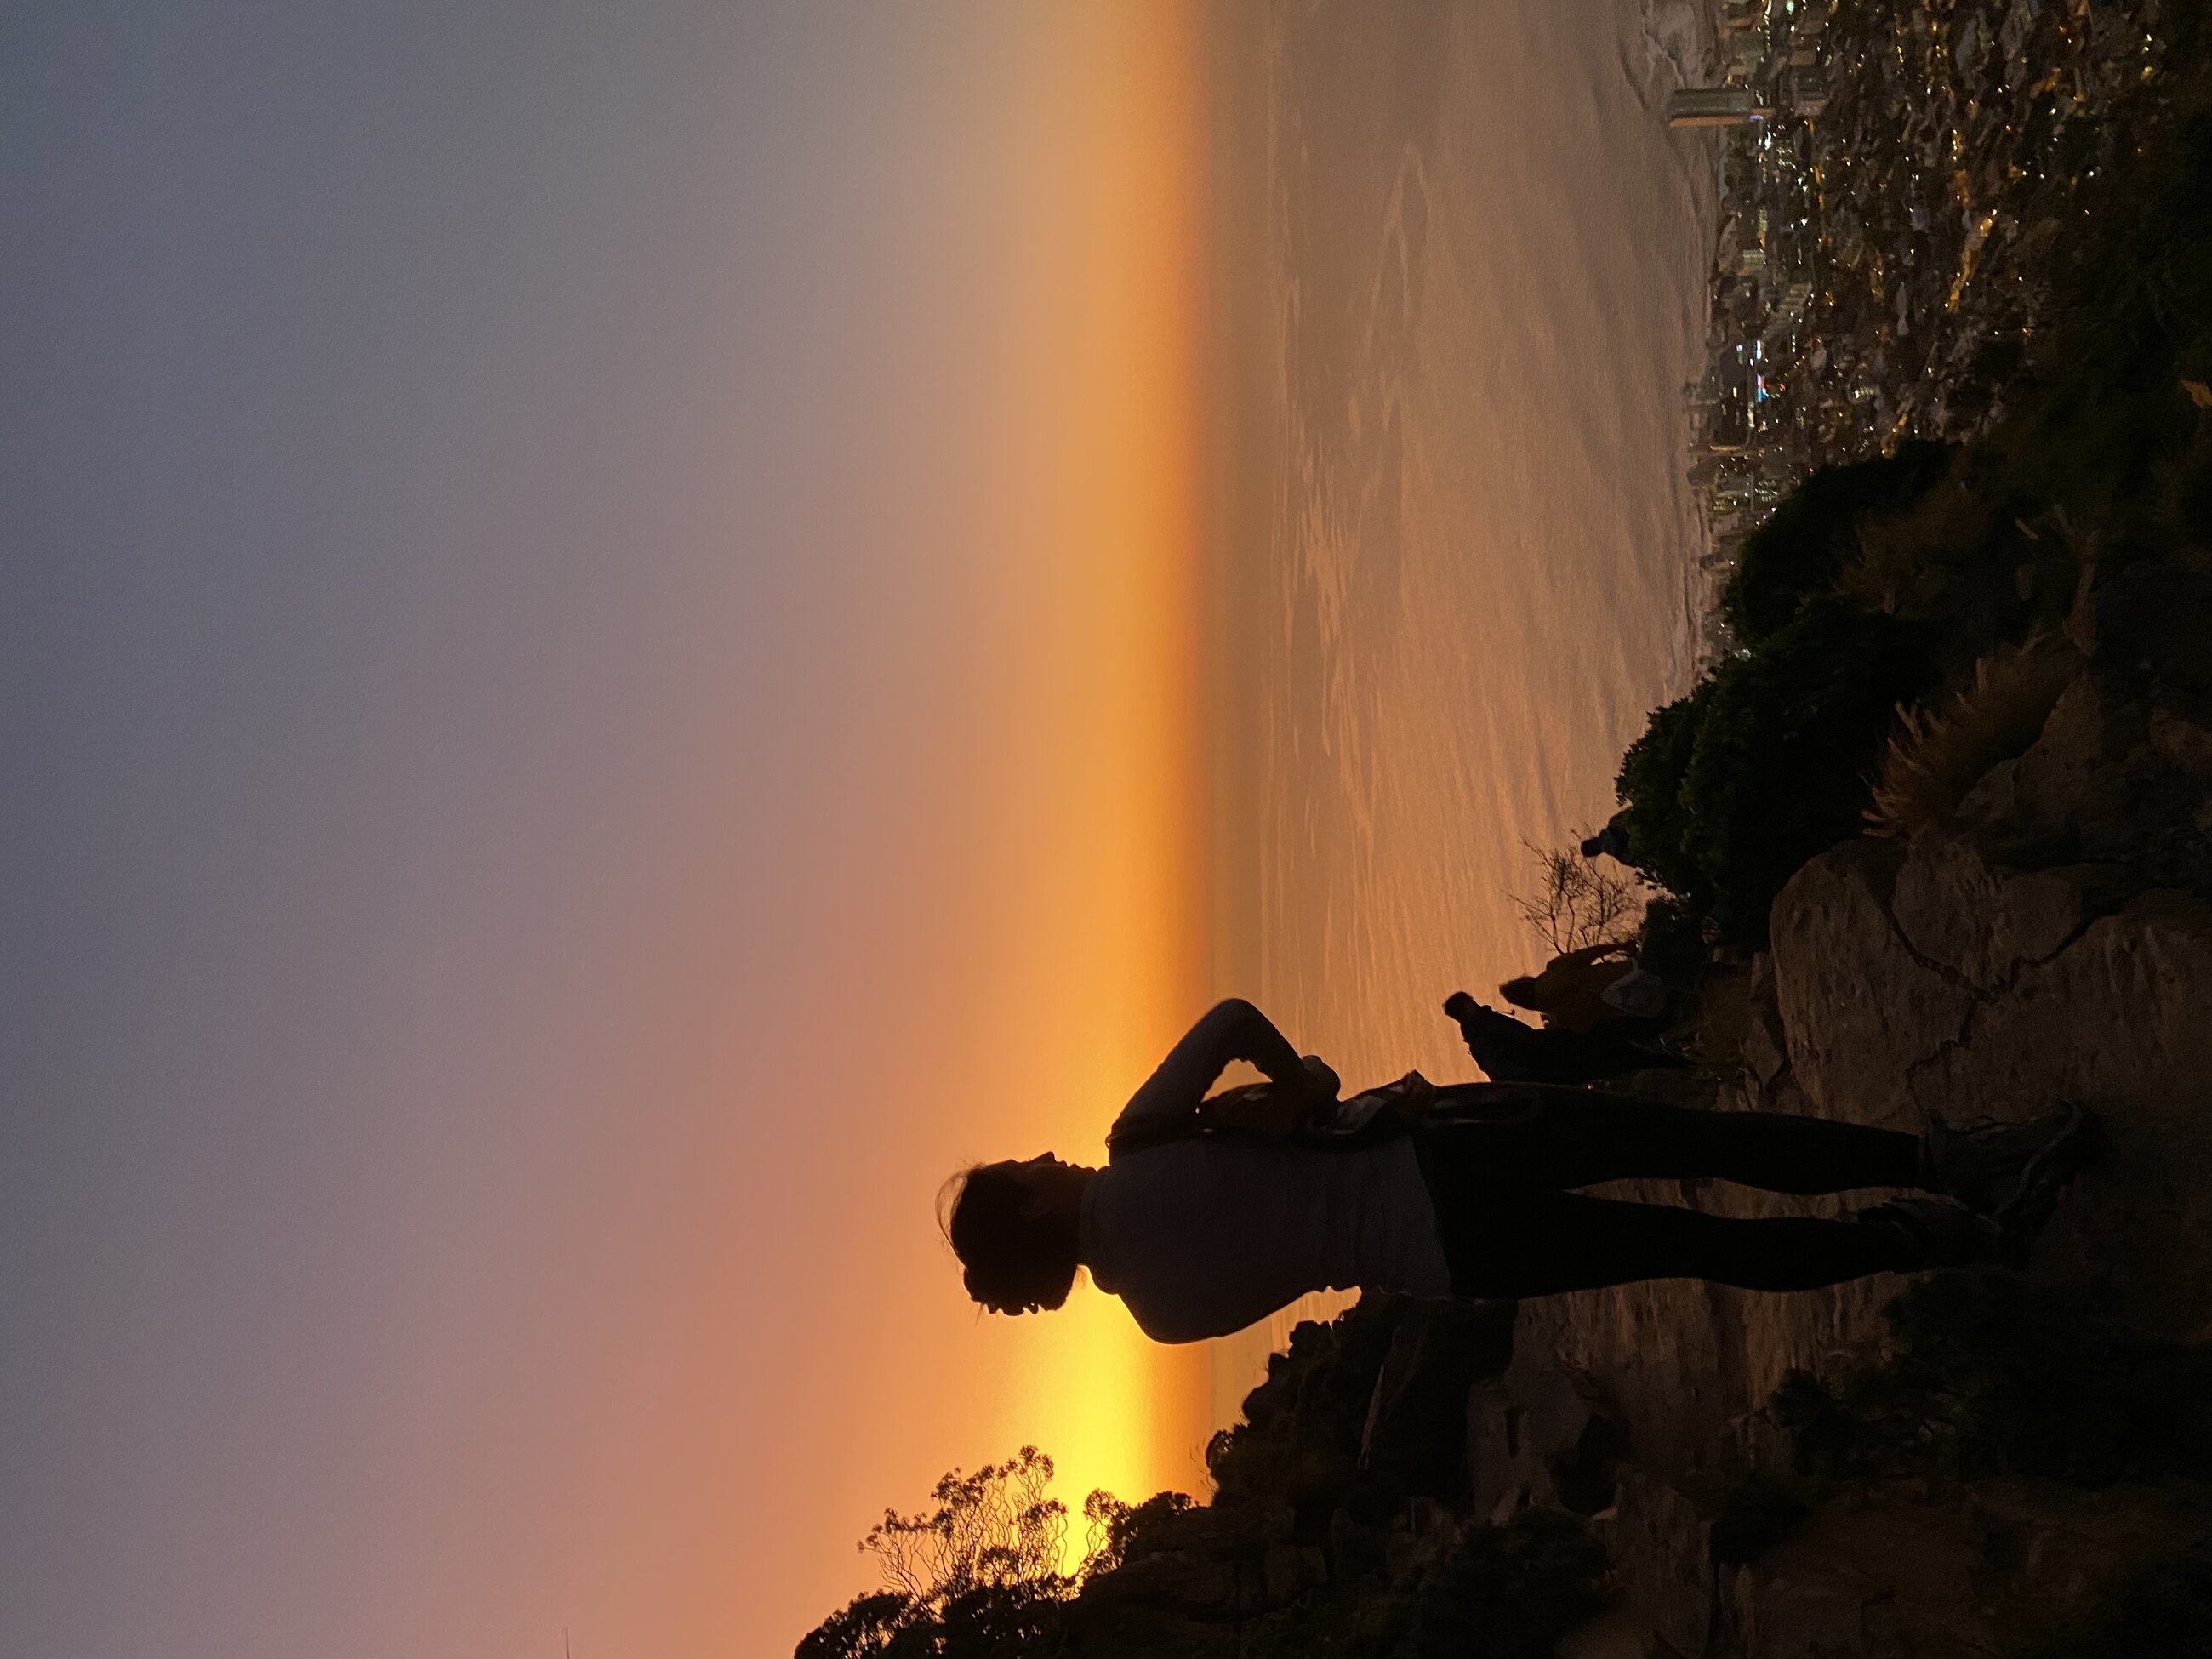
[(1114, 1525), (1655, 816), (1796, 556), (863, 1628), (1769, 761), (2107, 422)]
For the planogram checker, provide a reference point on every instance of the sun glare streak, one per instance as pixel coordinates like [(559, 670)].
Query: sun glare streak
[(1112, 1409)]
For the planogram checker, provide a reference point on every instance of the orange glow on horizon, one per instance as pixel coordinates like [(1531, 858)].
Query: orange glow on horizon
[(1114, 1409)]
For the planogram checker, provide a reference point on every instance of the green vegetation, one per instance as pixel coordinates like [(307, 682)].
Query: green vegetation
[(1798, 556), (1770, 760), (2112, 433)]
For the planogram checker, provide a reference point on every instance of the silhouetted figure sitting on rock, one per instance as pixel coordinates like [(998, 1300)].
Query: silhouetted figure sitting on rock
[(1597, 988), (1214, 1211), (1510, 1052)]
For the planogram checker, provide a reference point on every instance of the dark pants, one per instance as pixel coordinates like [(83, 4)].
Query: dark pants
[(1512, 1226)]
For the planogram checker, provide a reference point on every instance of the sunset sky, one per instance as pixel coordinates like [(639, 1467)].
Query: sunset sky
[(599, 608)]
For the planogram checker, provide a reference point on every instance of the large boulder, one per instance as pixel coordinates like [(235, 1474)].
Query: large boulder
[(1859, 1007), (2121, 1019), (1982, 925), (1542, 1434), (1415, 1436), (2122, 1014), (2184, 741), (1663, 1549), (1924, 980), (2108, 773), (1766, 1047)]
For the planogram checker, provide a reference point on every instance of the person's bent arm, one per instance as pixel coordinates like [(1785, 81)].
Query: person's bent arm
[(1227, 1032), (1593, 953)]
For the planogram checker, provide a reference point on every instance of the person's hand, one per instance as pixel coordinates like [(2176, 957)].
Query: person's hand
[(1325, 1079)]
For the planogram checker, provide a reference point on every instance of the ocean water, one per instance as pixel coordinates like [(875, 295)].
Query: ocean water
[(1461, 549)]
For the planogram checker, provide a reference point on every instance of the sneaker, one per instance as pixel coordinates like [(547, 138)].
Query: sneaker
[(1993, 1167), (1938, 1233)]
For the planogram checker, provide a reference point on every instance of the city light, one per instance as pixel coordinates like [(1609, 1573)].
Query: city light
[(1891, 179)]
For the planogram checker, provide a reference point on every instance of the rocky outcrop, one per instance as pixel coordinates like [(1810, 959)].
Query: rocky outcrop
[(1340, 1505), (2073, 793), (1851, 991), (1982, 925), (2053, 942), (1932, 978), (1416, 1429), (1543, 1434), (1663, 1548)]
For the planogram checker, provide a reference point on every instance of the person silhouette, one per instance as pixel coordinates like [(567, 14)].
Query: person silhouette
[(1213, 1212), (1510, 1052)]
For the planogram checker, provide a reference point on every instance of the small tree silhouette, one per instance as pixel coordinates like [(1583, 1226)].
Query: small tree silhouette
[(995, 1527), (1575, 904), (978, 1575), (1111, 1523)]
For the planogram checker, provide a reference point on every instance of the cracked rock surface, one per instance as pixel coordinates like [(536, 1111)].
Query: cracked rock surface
[(2031, 952), (1968, 991), (1985, 969)]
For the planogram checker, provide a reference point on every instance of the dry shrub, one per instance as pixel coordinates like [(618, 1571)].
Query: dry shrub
[(995, 1527), (1940, 752), (1575, 904)]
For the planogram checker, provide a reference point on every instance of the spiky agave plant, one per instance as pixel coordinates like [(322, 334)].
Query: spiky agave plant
[(1940, 751)]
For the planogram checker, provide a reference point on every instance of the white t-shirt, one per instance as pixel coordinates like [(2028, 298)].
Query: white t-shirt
[(1201, 1237)]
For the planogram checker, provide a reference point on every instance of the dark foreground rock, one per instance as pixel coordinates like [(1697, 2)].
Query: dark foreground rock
[(2043, 946)]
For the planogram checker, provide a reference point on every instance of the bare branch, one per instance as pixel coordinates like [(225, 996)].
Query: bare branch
[(1574, 903)]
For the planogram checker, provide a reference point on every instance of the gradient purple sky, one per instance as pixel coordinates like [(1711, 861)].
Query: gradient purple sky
[(595, 604)]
